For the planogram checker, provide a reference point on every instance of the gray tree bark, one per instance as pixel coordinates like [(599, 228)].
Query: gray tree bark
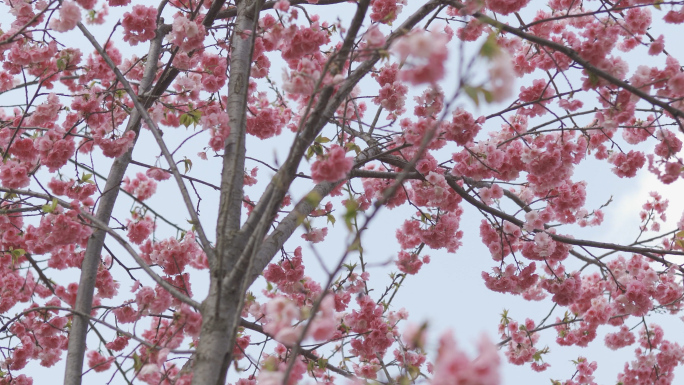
[(221, 309), (241, 252), (92, 255)]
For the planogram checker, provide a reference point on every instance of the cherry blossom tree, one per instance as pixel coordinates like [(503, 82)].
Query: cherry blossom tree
[(120, 119)]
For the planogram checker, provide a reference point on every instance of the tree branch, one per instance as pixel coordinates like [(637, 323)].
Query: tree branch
[(321, 114), (645, 251), (155, 132), (572, 54), (305, 353), (232, 11), (650, 253), (92, 255), (221, 309), (117, 237), (90, 318)]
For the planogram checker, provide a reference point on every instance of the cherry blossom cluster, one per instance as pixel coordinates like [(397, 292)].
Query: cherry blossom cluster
[(408, 138)]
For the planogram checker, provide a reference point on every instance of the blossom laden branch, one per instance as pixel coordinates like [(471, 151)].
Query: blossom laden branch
[(572, 54), (94, 221), (157, 135)]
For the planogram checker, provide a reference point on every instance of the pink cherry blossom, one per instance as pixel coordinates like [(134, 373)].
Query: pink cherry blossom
[(140, 24), (501, 76), (332, 166), (14, 174), (626, 165), (139, 231), (505, 7), (76, 140), (282, 5), (69, 16), (657, 46), (427, 54), (315, 235), (374, 37), (141, 187), (98, 362), (386, 11), (454, 366), (186, 34)]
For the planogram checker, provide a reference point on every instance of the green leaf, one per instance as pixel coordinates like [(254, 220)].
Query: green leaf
[(566, 317), (350, 266), (313, 198), (15, 254), (49, 208), (137, 362), (190, 117), (490, 48), (331, 219), (186, 120), (489, 97), (352, 146), (270, 364), (196, 115), (356, 246), (538, 354), (386, 19), (322, 139), (593, 79), (679, 239), (61, 64), (413, 372), (472, 93), (86, 178), (504, 317), (322, 362), (188, 165), (317, 149), (352, 207)]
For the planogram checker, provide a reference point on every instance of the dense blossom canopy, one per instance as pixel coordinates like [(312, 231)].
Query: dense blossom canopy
[(157, 160)]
